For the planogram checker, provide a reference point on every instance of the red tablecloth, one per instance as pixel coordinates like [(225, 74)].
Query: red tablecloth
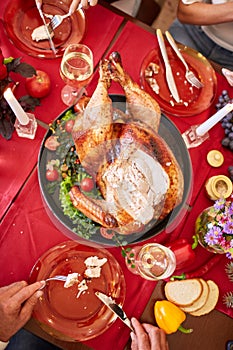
[(22, 153), (27, 232)]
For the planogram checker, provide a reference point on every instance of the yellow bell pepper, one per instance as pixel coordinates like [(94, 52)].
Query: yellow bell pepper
[(169, 317)]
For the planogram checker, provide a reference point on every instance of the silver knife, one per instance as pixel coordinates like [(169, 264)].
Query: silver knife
[(38, 5), (115, 308), (169, 75)]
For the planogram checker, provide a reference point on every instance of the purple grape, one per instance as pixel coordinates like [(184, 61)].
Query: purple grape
[(225, 142), (231, 145), (230, 136)]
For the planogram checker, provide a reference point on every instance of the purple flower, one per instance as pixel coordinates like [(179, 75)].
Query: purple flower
[(228, 228), (229, 255), (219, 204), (211, 238), (220, 226)]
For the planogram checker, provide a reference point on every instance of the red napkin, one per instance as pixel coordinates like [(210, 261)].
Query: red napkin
[(18, 157)]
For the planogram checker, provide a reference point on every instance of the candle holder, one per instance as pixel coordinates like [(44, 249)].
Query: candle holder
[(28, 130), (197, 134), (192, 139), (25, 123)]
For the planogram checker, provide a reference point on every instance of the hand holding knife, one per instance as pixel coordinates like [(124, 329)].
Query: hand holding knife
[(115, 308), (169, 75), (38, 5)]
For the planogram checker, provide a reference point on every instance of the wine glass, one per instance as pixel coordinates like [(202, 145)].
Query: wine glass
[(76, 70), (151, 261)]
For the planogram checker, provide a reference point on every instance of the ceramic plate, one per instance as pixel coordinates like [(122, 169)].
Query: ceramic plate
[(22, 17), (79, 227), (193, 100), (59, 312)]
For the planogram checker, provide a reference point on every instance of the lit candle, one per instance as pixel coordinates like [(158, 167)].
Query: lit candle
[(20, 114), (209, 123)]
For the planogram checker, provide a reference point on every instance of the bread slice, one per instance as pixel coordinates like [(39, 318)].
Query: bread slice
[(183, 293), (211, 300), (200, 302)]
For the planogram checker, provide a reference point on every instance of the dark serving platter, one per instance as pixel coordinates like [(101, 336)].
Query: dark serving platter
[(65, 224)]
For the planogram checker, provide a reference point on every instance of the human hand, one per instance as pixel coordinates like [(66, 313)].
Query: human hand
[(16, 305), (147, 337), (75, 3)]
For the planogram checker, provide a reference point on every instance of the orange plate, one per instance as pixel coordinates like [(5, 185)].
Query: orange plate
[(194, 100), (58, 311), (21, 18)]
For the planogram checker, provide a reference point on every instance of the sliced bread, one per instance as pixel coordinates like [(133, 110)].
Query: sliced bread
[(211, 300), (183, 293), (200, 302)]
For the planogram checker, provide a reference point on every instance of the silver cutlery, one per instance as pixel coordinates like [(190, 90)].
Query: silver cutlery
[(58, 19), (38, 5), (169, 75), (115, 308), (54, 278), (189, 75)]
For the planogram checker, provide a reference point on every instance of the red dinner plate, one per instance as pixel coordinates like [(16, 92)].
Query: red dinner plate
[(21, 18), (193, 100), (59, 312)]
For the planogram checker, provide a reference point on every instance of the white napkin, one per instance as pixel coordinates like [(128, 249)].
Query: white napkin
[(228, 74)]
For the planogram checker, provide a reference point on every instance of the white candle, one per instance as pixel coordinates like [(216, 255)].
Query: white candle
[(20, 114), (209, 123)]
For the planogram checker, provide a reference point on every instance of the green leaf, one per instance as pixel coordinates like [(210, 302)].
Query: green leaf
[(25, 69), (8, 60), (123, 253), (29, 103)]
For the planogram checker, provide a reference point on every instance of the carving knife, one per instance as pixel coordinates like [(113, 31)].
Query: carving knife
[(38, 5), (169, 75), (115, 308)]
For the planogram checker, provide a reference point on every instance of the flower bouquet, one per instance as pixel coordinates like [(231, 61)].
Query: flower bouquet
[(214, 227)]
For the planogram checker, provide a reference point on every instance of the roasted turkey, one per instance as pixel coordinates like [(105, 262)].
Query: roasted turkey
[(136, 172)]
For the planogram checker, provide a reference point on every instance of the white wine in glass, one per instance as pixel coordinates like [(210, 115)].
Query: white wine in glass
[(152, 261), (76, 70)]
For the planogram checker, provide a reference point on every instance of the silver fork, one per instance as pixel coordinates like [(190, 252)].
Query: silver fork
[(189, 75), (58, 19), (54, 278)]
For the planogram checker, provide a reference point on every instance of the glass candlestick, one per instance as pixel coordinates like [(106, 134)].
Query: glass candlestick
[(197, 134), (25, 123), (28, 130), (192, 139)]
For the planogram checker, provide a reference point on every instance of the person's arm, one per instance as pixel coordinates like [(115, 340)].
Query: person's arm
[(147, 337), (205, 14), (16, 305)]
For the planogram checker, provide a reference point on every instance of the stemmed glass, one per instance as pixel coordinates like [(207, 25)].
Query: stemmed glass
[(151, 261), (76, 70)]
